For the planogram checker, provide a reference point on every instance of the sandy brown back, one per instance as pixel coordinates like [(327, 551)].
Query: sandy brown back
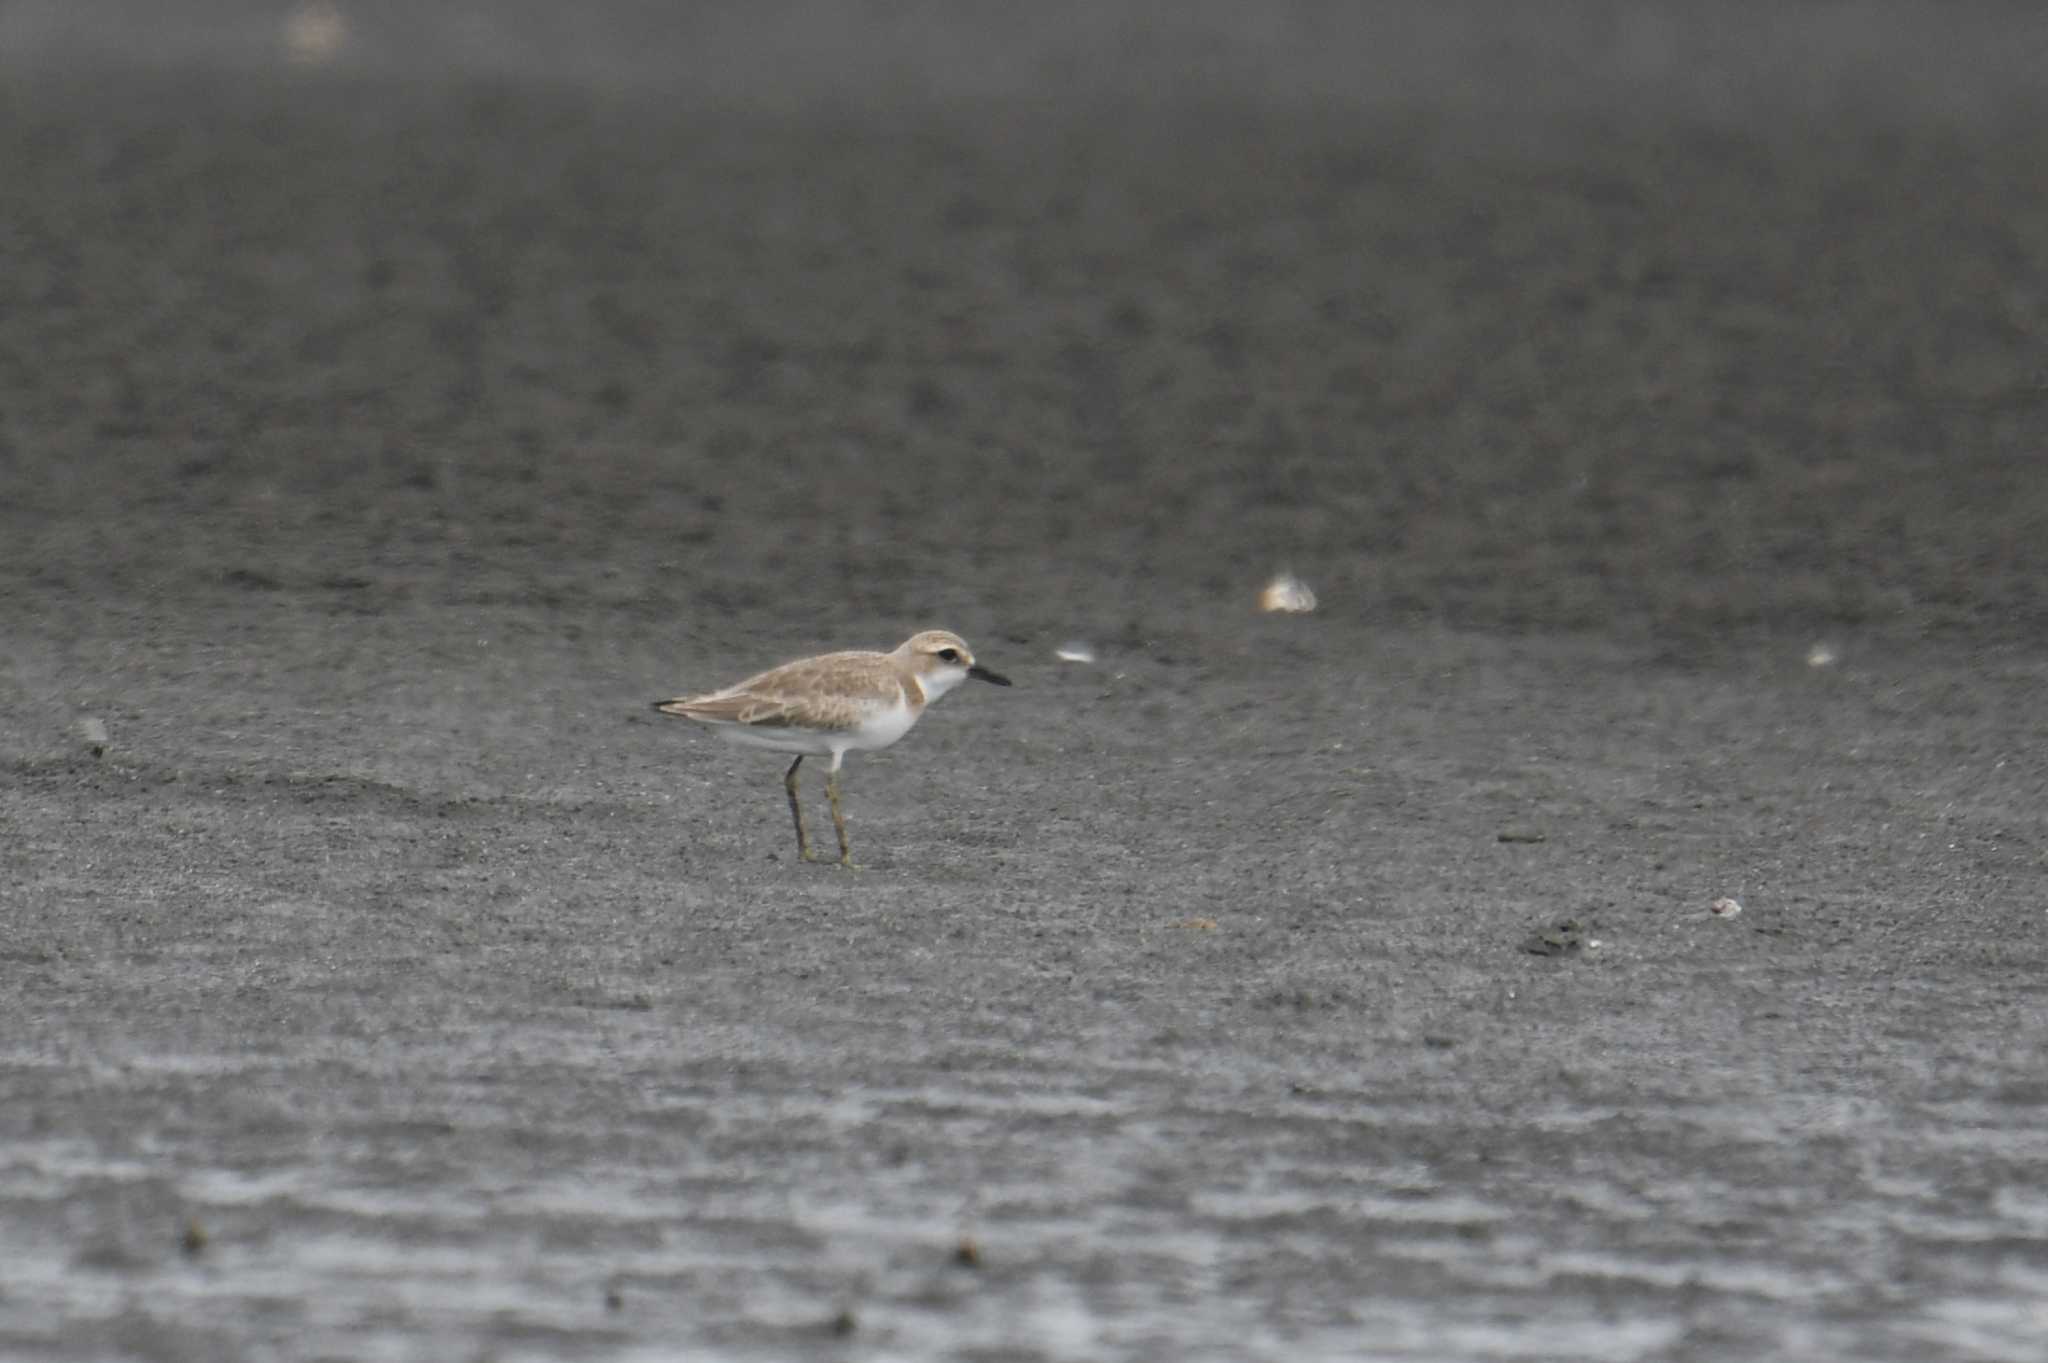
[(831, 691)]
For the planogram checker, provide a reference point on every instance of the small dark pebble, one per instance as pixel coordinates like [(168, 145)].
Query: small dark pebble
[(1568, 938), (967, 1254), (844, 1323), (614, 1300), (621, 1003), (193, 1241), (109, 1256), (1520, 835)]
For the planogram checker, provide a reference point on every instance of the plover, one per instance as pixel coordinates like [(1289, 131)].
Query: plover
[(835, 703)]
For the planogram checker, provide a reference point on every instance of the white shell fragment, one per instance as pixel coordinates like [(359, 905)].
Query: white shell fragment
[(1074, 651), (314, 32), (1820, 655), (1287, 593), (1724, 907)]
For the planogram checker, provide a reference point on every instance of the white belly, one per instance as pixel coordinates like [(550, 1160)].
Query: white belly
[(775, 740), (882, 726)]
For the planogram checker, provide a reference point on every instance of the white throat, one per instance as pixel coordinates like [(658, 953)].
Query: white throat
[(940, 680)]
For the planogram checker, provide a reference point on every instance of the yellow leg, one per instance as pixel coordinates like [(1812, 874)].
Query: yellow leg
[(839, 821), (796, 811)]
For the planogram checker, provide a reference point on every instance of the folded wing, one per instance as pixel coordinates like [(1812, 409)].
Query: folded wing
[(765, 712), (839, 691)]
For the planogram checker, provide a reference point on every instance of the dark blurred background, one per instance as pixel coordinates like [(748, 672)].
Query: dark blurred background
[(1723, 60), (1665, 318)]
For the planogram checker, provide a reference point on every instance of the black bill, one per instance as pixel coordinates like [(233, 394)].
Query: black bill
[(980, 673)]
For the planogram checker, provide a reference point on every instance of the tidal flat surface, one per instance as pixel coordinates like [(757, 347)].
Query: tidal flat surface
[(380, 979)]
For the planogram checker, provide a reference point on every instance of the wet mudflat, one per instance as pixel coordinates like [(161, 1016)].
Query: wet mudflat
[(390, 983)]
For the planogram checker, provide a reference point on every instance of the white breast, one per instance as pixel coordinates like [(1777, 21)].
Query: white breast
[(882, 726)]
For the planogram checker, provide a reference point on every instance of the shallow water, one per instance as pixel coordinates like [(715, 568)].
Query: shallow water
[(733, 1193)]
